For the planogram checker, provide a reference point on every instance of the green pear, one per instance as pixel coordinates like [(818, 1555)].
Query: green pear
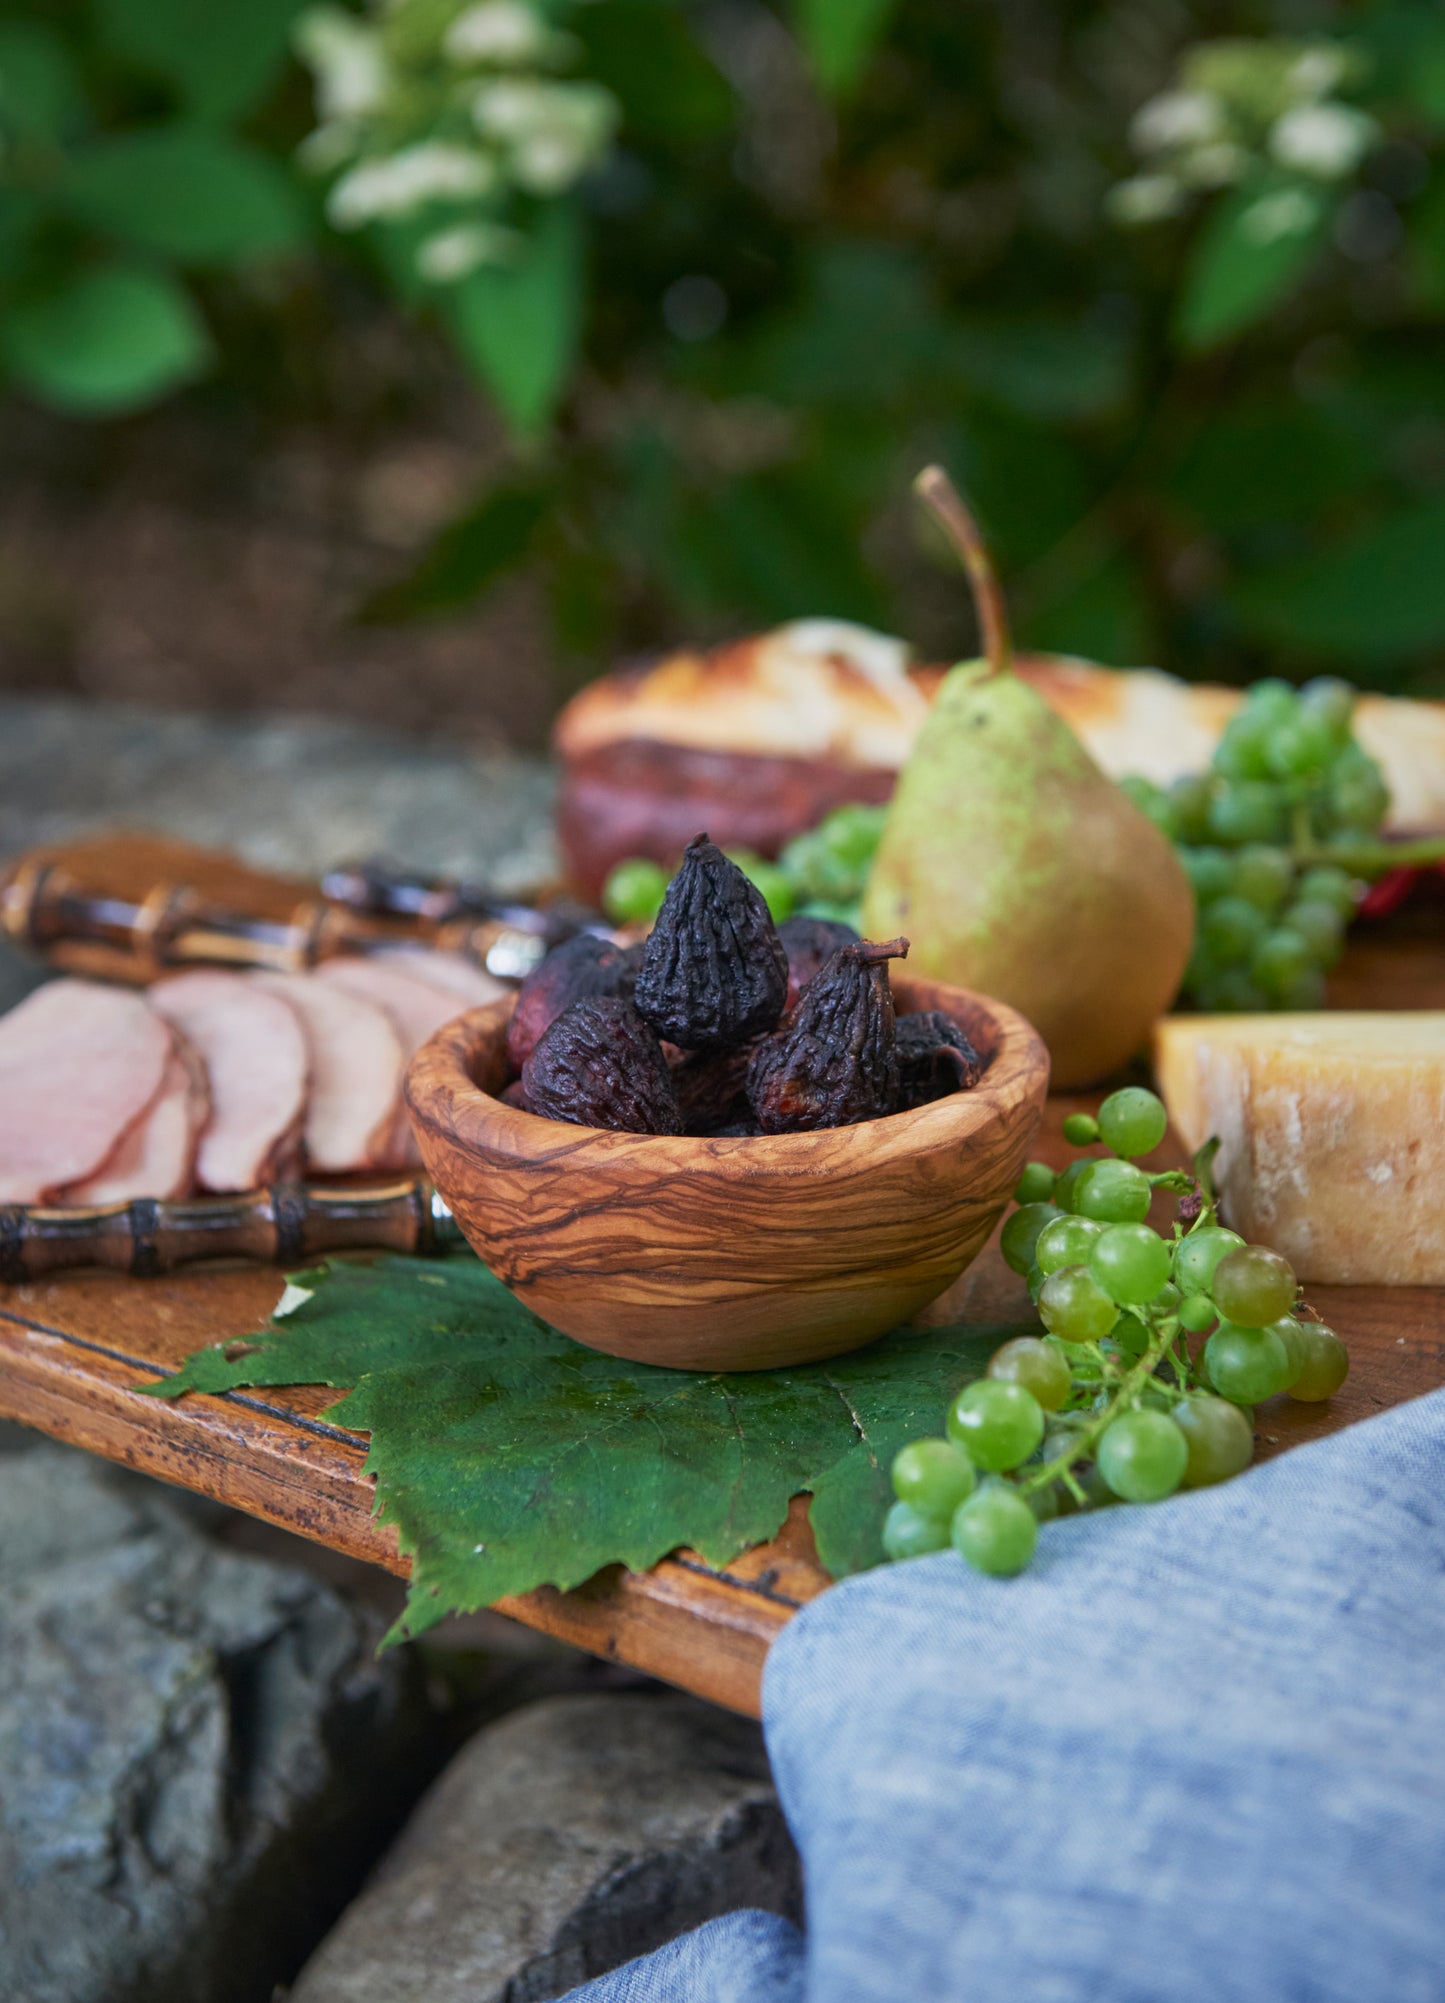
[(1017, 867)]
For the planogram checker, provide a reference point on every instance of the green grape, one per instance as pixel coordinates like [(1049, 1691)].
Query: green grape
[(1247, 810), (1320, 926), (1280, 961), (1080, 1129), (1208, 871), (633, 892), (1326, 1365), (1197, 1255), (836, 912), (1020, 1234), (1066, 1242), (996, 1531), (851, 835), (1113, 1191), (1271, 699), (1300, 746), (1334, 701), (816, 873), (997, 1423), (1132, 1121), (1068, 1183), (1130, 1335), (1036, 1184), (1241, 751), (1291, 1334), (1130, 1262), (933, 1476), (1253, 1286), (1245, 1364), (1039, 1366), (1327, 885), (1358, 798), (772, 881), (1189, 799), (1231, 993), (1306, 992), (907, 1534), (1196, 1313), (1151, 800), (1262, 876), (1230, 928), (1034, 1279), (1219, 1436), (1143, 1456), (1074, 1307), (1168, 1299)]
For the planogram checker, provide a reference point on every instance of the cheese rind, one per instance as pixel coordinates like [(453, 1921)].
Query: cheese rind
[(1332, 1132)]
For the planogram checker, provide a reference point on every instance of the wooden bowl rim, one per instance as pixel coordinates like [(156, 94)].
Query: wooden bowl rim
[(441, 1096)]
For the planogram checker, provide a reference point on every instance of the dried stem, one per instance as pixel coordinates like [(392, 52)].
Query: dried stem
[(938, 493)]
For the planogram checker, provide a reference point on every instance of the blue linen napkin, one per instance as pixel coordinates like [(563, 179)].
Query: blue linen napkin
[(1196, 1754)]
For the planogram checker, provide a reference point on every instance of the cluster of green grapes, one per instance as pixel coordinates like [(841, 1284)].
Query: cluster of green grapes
[(1274, 838), (820, 874), (1111, 1404)]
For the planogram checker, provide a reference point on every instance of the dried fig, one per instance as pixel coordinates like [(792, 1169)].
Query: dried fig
[(934, 1058), (599, 1065), (834, 1059), (808, 943), (582, 966), (711, 1089), (714, 973)]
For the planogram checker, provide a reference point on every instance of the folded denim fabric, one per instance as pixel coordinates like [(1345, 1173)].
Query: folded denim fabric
[(1196, 1754)]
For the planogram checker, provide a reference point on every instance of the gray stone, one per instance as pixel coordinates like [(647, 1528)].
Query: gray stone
[(564, 1840), (199, 1751)]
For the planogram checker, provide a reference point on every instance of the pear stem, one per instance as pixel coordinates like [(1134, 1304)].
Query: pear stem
[(949, 509)]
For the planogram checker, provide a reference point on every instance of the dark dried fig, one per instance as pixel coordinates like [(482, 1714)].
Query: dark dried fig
[(515, 1097), (711, 1088), (599, 1065), (714, 973), (834, 1060), (934, 1058), (809, 943), (571, 972)]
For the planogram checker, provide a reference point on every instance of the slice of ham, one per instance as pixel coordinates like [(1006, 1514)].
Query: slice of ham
[(156, 1155), (79, 1065), (356, 1062), (254, 1051), (417, 1010), (453, 973)]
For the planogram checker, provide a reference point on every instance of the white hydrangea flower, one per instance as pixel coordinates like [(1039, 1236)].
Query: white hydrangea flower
[(1214, 166), (1176, 118), (453, 254), (501, 31), (1317, 72), (394, 186), (347, 60), (1288, 212), (1147, 198), (1326, 140)]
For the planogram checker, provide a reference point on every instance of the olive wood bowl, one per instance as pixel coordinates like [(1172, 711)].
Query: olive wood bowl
[(739, 1253)]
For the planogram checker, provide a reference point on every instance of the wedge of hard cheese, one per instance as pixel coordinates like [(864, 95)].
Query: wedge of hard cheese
[(1332, 1132)]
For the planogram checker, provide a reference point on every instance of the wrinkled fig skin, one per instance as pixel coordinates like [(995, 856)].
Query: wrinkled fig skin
[(714, 972), (599, 1065), (934, 1059), (711, 1089), (570, 972), (834, 1060), (808, 943)]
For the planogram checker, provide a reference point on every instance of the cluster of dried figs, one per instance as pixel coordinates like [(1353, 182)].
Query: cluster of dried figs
[(720, 1022)]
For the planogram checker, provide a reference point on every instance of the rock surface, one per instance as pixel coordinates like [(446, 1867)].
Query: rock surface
[(199, 1751), (562, 1841)]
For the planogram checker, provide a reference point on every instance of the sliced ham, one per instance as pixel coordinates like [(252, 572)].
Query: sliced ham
[(79, 1065), (254, 1051), (156, 1155), (453, 973), (417, 1010), (356, 1062)]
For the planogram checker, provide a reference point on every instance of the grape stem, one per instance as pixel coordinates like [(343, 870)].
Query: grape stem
[(949, 509), (1082, 1445), (1372, 858)]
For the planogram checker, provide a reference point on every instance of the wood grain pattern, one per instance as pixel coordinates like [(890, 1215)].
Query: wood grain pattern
[(729, 1254)]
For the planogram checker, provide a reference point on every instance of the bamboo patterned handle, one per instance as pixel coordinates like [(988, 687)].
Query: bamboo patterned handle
[(288, 1224)]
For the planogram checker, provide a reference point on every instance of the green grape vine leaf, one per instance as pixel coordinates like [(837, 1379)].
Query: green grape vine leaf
[(509, 1457)]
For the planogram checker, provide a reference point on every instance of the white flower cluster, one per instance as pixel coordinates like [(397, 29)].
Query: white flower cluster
[(1241, 105), (444, 113)]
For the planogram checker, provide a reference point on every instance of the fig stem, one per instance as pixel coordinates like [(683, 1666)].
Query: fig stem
[(949, 509), (869, 951)]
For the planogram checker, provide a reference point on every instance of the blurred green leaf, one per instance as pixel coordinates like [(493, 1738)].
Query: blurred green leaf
[(111, 339), (21, 218), (1100, 613), (1043, 366), (1426, 248), (1256, 246), (642, 51), (1027, 484), (470, 554), (518, 324), (839, 36), (219, 55), (186, 192), (1381, 593), (1272, 460), (41, 95)]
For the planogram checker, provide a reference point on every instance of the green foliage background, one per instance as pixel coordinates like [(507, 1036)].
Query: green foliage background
[(832, 238)]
